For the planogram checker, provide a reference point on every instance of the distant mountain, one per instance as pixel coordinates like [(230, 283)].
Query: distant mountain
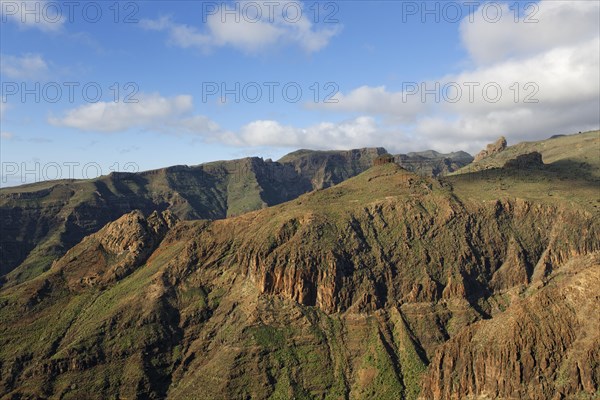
[(327, 168), (433, 164), (333, 164)]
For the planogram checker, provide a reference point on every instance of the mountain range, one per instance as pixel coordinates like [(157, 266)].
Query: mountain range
[(324, 275)]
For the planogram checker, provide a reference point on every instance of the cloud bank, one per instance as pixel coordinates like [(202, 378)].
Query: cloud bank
[(548, 79), (248, 29)]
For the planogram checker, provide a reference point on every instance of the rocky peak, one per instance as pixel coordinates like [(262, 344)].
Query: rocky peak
[(492, 148), (116, 250), (384, 159), (133, 230)]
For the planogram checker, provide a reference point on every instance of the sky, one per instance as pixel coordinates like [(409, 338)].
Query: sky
[(90, 87)]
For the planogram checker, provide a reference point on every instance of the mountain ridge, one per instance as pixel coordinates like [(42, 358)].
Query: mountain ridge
[(46, 219)]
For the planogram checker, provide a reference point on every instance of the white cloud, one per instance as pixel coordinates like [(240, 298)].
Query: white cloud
[(358, 132), (39, 14), (28, 66), (564, 76), (179, 34), (550, 24), (401, 106), (471, 133), (150, 112), (555, 61), (174, 116), (197, 124), (244, 31)]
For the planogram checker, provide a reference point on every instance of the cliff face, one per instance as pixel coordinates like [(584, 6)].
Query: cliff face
[(388, 285), (115, 251), (545, 345), (327, 168), (42, 221)]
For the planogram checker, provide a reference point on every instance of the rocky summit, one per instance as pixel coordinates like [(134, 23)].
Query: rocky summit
[(369, 282)]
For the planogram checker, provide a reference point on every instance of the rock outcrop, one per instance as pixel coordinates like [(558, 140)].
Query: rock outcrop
[(115, 251), (384, 159), (523, 161), (491, 149)]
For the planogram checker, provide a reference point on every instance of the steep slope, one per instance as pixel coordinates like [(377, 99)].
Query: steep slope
[(327, 168), (39, 222), (356, 291)]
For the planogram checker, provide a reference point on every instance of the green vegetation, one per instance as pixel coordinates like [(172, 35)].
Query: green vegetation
[(361, 290)]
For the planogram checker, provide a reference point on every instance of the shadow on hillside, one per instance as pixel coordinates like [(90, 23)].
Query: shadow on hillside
[(574, 172), (573, 169)]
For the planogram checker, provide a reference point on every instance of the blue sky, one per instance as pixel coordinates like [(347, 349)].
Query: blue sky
[(374, 59)]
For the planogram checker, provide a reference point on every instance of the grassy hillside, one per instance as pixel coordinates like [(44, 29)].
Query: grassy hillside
[(575, 154), (571, 174)]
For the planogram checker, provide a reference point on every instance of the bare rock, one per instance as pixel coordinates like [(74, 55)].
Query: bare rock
[(116, 250), (543, 346), (492, 148), (384, 159)]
